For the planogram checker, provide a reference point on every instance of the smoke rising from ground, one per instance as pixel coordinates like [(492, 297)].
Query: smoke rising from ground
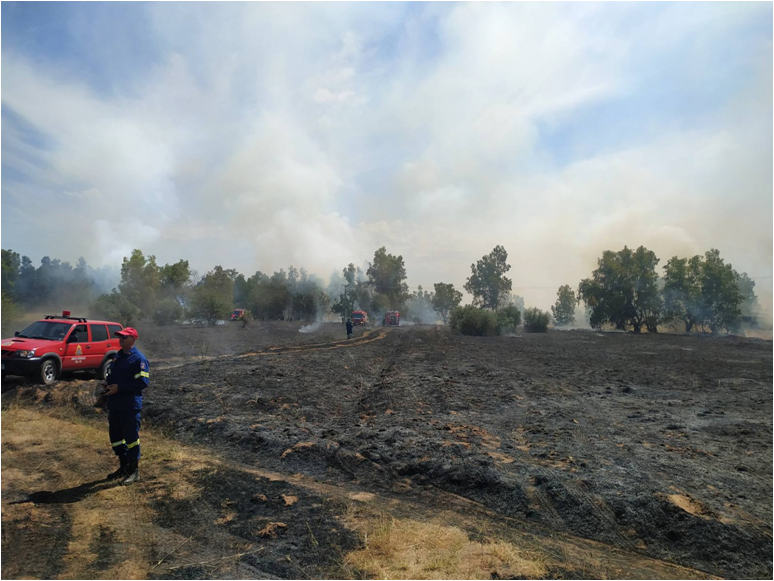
[(310, 328)]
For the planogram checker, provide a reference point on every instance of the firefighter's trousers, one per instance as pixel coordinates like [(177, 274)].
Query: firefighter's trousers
[(124, 428)]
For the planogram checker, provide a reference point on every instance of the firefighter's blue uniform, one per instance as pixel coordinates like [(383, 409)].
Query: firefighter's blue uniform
[(131, 372)]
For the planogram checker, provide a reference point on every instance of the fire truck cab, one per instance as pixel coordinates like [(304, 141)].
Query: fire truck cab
[(359, 318), (391, 319)]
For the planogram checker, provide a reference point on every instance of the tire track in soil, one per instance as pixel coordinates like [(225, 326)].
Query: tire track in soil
[(579, 435), (545, 507), (365, 401), (279, 350), (365, 338), (643, 471), (596, 506)]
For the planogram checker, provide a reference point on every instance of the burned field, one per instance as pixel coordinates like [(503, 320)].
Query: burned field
[(655, 444), (611, 455)]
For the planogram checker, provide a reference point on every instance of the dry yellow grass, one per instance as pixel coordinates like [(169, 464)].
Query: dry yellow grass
[(407, 549)]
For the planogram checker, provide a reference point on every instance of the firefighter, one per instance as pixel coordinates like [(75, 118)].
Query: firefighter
[(349, 328), (129, 375)]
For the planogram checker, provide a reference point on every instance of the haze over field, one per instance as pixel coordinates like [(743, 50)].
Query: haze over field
[(261, 135)]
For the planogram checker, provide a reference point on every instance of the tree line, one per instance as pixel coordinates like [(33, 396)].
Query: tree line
[(174, 292), (625, 291)]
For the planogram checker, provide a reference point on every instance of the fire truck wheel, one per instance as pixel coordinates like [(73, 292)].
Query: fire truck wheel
[(102, 373), (47, 372)]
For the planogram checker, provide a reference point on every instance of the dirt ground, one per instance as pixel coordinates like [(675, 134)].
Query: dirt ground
[(566, 454)]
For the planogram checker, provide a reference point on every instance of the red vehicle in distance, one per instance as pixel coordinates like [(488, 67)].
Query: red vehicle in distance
[(359, 318), (60, 343), (391, 319)]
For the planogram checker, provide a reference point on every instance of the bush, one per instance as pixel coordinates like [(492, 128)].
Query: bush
[(536, 321), (508, 318), (115, 307), (470, 320), (168, 311)]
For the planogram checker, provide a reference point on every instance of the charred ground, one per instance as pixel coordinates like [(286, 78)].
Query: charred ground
[(657, 446)]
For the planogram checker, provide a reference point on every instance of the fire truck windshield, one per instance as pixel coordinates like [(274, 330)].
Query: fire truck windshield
[(46, 330)]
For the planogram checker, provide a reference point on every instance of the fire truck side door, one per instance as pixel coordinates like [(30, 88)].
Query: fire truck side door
[(99, 345), (78, 348)]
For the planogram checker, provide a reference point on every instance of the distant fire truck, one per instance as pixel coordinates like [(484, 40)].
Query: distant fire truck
[(391, 319), (359, 318), (237, 314)]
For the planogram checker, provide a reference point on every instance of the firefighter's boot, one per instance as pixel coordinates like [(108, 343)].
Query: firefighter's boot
[(132, 473), (121, 472)]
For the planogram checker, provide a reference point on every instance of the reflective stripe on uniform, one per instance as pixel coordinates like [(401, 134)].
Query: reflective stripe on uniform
[(141, 374), (114, 444), (133, 444)]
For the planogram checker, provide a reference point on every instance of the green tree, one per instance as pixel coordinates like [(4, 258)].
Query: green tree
[(25, 286), (488, 282), (174, 279), (508, 318), (208, 306), (682, 291), (11, 313), (168, 311), (387, 274), (446, 298), (220, 281), (305, 304), (140, 279), (115, 307), (419, 306), (270, 297), (254, 292), (749, 307), (11, 264), (293, 278), (348, 297), (80, 287), (241, 291), (720, 294), (623, 290), (212, 299), (564, 309)]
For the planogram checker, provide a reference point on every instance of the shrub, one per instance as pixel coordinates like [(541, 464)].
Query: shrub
[(536, 321), (115, 307), (508, 318), (470, 320), (168, 311)]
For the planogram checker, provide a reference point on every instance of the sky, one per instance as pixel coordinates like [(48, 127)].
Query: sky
[(259, 135)]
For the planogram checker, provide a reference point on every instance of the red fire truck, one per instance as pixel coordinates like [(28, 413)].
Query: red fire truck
[(391, 319), (55, 344), (359, 318)]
